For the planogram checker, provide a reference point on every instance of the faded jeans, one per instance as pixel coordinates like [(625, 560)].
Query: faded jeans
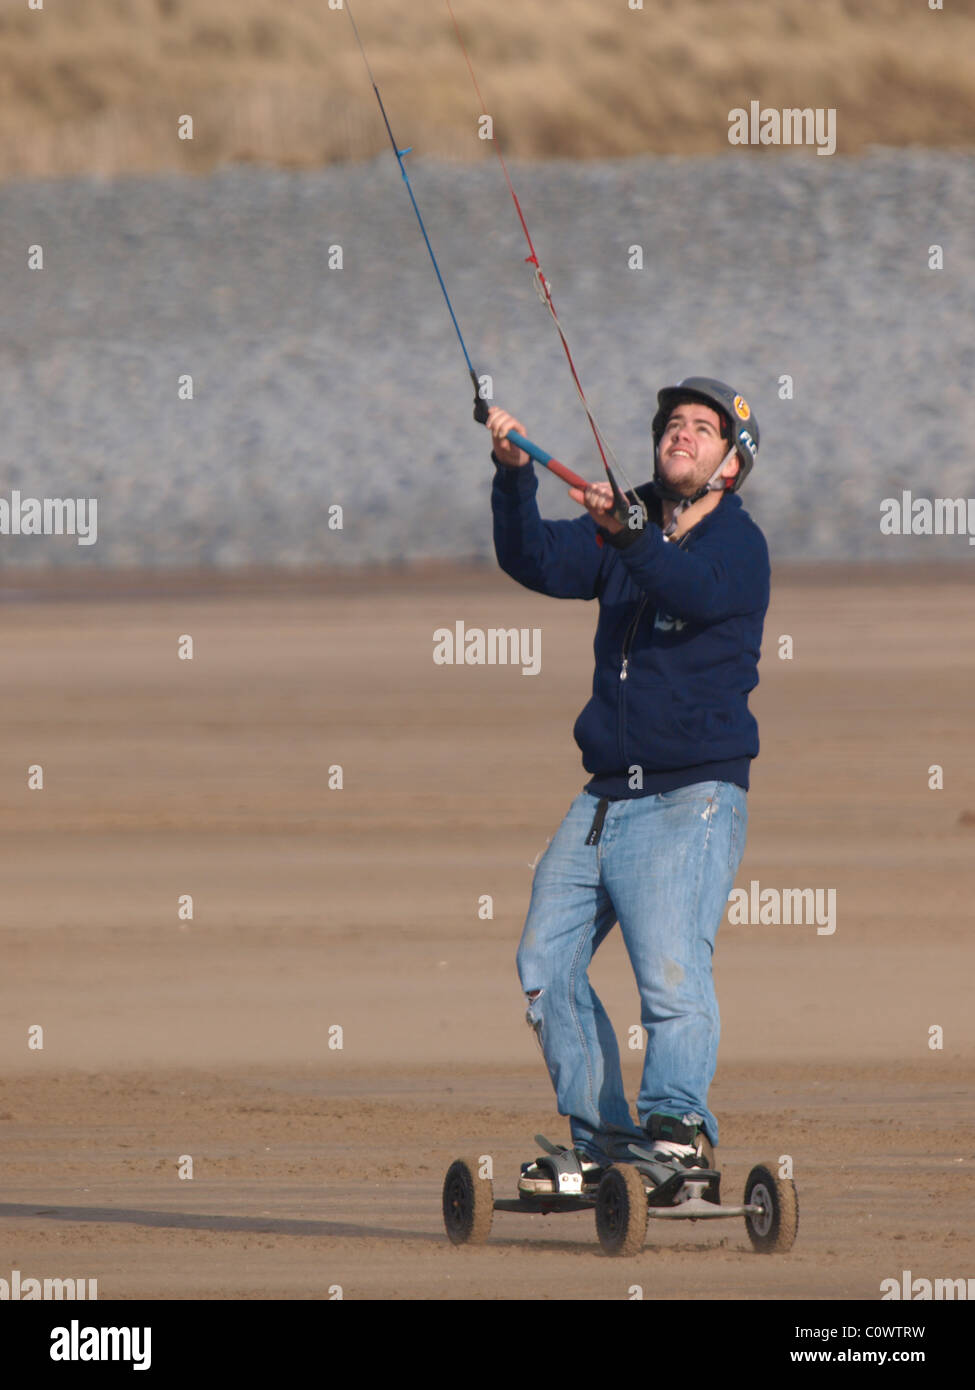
[(663, 867)]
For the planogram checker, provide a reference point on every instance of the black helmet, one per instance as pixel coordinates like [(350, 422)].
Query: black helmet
[(742, 427)]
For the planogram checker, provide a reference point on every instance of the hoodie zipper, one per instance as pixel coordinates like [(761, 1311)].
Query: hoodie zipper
[(630, 633), (621, 703), (631, 630), (627, 640)]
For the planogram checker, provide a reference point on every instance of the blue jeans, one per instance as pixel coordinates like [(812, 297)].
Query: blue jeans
[(663, 867)]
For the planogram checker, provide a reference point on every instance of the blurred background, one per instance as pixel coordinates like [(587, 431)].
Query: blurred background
[(317, 385)]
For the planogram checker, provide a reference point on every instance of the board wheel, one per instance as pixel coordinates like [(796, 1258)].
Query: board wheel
[(621, 1210), (773, 1230), (468, 1203)]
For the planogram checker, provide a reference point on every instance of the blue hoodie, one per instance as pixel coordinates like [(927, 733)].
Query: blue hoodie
[(678, 640)]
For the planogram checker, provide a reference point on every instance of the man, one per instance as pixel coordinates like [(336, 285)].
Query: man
[(655, 838)]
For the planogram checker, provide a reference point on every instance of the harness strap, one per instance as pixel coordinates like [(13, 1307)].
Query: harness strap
[(597, 825)]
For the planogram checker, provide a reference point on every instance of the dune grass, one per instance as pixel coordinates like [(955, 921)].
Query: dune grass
[(99, 85)]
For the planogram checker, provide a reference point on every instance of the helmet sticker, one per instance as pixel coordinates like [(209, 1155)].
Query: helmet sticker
[(748, 442), (741, 408)]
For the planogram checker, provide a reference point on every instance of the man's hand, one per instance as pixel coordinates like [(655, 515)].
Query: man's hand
[(499, 422), (597, 498), (598, 502)]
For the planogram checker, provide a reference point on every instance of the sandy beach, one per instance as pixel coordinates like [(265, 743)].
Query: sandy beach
[(326, 914)]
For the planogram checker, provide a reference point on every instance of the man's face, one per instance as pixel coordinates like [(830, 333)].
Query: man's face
[(691, 447)]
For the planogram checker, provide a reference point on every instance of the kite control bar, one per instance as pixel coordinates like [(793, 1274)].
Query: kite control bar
[(540, 456)]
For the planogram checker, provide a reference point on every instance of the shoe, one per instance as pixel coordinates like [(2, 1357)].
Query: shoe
[(672, 1147), (560, 1170), (663, 1158), (673, 1131)]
